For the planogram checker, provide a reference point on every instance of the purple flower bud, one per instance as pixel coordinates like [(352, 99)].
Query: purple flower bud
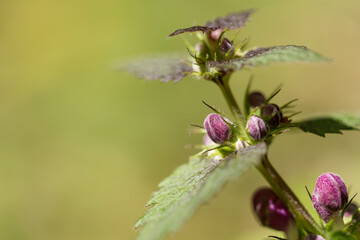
[(329, 196), (227, 46), (207, 141), (217, 128), (272, 110), (256, 99), (270, 210), (257, 128), (314, 237)]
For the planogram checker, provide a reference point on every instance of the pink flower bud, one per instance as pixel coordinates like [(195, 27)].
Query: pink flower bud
[(270, 210), (257, 128), (215, 35), (217, 128), (329, 196)]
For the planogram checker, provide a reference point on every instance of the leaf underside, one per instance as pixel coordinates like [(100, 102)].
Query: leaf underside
[(231, 21), (330, 124), (164, 68), (268, 55), (189, 186)]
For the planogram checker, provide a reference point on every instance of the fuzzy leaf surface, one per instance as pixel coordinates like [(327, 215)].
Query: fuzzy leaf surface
[(330, 124), (269, 55), (231, 21), (164, 68), (189, 186)]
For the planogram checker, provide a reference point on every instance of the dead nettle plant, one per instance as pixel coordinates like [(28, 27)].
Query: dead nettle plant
[(233, 144)]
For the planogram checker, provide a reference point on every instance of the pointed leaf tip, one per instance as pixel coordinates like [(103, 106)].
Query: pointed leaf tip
[(333, 123)]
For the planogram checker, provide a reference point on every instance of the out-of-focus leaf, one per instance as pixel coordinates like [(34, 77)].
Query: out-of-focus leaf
[(265, 56), (192, 29), (232, 21), (189, 186), (164, 68), (339, 235), (333, 123)]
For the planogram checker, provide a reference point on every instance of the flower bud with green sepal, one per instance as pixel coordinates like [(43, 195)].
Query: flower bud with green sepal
[(218, 128), (330, 196), (272, 113), (257, 128)]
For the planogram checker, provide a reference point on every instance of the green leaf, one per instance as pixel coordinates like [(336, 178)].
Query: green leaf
[(164, 68), (333, 123), (269, 55), (232, 21), (189, 186), (339, 235)]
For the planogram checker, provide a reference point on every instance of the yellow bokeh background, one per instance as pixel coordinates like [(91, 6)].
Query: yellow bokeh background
[(83, 146)]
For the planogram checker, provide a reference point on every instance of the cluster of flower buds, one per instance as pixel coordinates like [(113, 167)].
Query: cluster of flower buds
[(270, 116), (330, 196), (271, 211), (218, 128)]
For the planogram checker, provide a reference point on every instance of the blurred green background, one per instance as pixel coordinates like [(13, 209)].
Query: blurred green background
[(82, 146)]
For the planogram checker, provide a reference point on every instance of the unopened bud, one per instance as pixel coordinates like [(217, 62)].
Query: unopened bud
[(272, 110), (314, 237), (217, 128), (351, 209), (227, 47), (329, 196), (270, 210), (256, 99), (257, 128), (215, 35), (207, 141)]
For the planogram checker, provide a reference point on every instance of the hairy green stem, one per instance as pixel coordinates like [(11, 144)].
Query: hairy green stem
[(223, 83), (284, 192)]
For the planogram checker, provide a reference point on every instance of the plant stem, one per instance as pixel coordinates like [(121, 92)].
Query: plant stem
[(223, 83), (284, 192)]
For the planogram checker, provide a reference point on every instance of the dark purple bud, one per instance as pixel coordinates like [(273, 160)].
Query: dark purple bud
[(314, 237), (257, 128), (226, 46), (217, 128), (273, 113), (256, 99), (329, 196), (350, 210), (270, 210)]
